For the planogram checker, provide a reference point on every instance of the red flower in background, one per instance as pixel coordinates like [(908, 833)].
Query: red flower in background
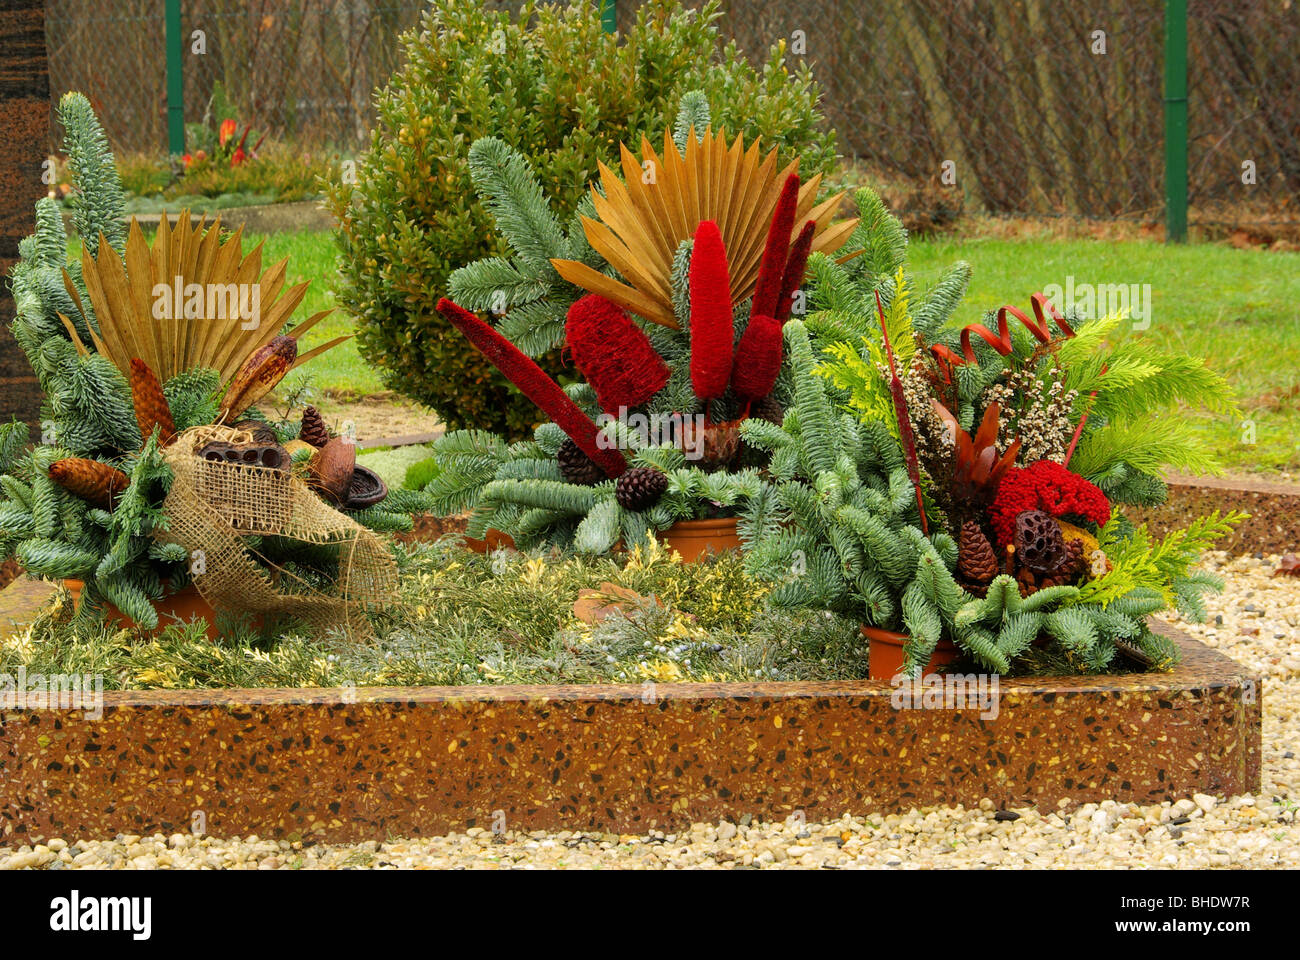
[(238, 157), (1045, 485), (227, 131)]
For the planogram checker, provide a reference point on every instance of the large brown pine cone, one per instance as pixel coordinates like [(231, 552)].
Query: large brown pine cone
[(640, 488), (576, 466), (976, 560)]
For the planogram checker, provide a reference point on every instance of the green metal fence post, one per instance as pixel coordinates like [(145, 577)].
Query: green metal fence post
[(609, 15), (175, 81), (1175, 121)]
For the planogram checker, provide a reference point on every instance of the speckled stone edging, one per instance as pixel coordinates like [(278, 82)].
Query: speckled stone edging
[(420, 761), (1274, 508)]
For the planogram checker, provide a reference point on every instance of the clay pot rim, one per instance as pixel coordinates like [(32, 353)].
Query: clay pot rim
[(715, 523), (895, 639)]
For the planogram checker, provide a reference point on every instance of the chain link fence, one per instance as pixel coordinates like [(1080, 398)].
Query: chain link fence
[(1015, 107)]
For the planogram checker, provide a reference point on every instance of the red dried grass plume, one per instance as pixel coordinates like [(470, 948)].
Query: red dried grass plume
[(767, 292), (535, 385), (711, 329), (613, 354), (758, 358)]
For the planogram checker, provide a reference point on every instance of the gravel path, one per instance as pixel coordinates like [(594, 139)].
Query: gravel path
[(1254, 621)]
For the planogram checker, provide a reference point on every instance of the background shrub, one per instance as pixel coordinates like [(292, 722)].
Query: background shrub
[(554, 86)]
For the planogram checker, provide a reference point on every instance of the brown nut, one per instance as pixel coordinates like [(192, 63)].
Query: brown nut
[(330, 469)]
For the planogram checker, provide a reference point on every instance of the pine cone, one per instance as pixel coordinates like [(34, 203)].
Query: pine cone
[(640, 488), (95, 482), (150, 404), (766, 408), (976, 560), (712, 446), (1027, 581), (1039, 544), (576, 466), (313, 429)]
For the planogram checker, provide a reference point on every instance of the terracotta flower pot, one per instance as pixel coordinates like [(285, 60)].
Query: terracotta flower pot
[(886, 653), (494, 539), (184, 605), (694, 538)]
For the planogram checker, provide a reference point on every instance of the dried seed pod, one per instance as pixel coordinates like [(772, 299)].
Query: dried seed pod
[(269, 455), (330, 469), (1039, 544), (366, 489), (259, 375), (151, 409), (95, 482)]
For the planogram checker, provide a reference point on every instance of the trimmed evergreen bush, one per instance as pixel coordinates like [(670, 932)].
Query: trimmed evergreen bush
[(412, 216)]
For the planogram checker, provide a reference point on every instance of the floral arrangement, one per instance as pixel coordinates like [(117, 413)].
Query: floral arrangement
[(668, 292), (219, 147), (148, 381), (965, 486)]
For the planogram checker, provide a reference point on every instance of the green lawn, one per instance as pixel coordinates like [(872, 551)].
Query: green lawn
[(341, 371), (1236, 307)]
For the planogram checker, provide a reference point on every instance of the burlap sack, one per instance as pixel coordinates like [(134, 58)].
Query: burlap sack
[(212, 505)]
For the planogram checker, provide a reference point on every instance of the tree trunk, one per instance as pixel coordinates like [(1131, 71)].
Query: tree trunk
[(950, 133), (25, 117)]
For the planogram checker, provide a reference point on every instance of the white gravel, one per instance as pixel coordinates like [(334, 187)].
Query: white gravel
[(1254, 621)]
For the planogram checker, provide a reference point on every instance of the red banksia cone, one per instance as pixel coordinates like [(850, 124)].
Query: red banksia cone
[(535, 385), (758, 358), (767, 293), (711, 328), (613, 354)]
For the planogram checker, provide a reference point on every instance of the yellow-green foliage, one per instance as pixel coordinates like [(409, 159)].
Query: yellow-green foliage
[(1138, 561), (858, 371)]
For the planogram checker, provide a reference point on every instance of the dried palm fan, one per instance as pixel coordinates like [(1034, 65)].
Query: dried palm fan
[(641, 223), (131, 322)]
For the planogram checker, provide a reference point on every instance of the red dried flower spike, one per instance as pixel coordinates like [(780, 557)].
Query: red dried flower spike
[(711, 327), (1048, 486), (767, 291), (613, 354), (794, 268), (535, 385), (758, 358)]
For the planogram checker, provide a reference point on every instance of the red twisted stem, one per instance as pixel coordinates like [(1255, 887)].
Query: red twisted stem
[(1001, 341)]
